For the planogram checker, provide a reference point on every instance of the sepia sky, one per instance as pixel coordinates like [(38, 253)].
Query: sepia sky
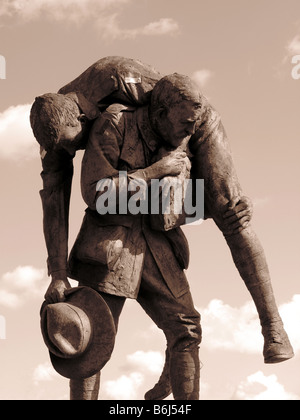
[(240, 53)]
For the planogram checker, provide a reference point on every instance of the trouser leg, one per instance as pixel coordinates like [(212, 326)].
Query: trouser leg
[(162, 389), (185, 382), (85, 389), (250, 260), (88, 388), (180, 322)]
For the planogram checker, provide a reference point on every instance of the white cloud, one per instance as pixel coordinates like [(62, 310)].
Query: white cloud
[(103, 13), (202, 77), (260, 387), (290, 313), (10, 300), (2, 328), (150, 361), (124, 388), (293, 46), (44, 373), (226, 327), (238, 329), (161, 27), (17, 141), (139, 364), (20, 284), (74, 10), (109, 28)]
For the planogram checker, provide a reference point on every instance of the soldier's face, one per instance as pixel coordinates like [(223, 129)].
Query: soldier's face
[(179, 122)]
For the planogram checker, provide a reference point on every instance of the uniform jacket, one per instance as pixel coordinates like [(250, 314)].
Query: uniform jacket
[(108, 253)]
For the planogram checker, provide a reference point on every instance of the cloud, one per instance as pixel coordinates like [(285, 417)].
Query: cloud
[(229, 328), (290, 313), (20, 284), (109, 28), (161, 27), (103, 13), (293, 46), (72, 10), (17, 141), (10, 300), (238, 329), (202, 77), (139, 364), (44, 373), (260, 387), (2, 328), (150, 361), (124, 388)]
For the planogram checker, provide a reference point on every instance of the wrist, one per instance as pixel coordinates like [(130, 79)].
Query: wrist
[(59, 275)]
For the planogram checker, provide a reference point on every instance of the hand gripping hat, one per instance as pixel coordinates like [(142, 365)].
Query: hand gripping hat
[(79, 333)]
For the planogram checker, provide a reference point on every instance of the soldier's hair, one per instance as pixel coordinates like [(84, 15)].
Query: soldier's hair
[(172, 90), (48, 114)]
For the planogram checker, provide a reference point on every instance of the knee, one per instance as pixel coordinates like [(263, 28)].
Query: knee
[(184, 336)]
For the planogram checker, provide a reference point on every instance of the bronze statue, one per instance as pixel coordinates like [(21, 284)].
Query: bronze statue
[(210, 159)]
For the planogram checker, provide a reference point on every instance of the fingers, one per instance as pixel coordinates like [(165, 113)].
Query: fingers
[(236, 227), (239, 208), (236, 209), (236, 216), (179, 154), (241, 223)]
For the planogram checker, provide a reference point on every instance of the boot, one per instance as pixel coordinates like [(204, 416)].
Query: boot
[(185, 374), (250, 260), (162, 389), (85, 389), (277, 347)]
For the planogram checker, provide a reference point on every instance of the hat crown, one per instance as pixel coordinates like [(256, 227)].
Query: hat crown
[(68, 328), (79, 332)]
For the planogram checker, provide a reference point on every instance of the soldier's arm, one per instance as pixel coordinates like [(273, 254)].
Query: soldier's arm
[(57, 181), (213, 162)]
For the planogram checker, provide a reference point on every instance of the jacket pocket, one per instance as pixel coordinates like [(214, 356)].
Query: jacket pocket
[(96, 244), (180, 246)]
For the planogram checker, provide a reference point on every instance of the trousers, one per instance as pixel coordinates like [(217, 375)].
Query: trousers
[(177, 318)]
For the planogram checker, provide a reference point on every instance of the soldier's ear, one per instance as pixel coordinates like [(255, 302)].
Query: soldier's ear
[(83, 119), (161, 112)]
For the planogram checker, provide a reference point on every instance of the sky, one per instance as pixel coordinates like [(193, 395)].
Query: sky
[(243, 54)]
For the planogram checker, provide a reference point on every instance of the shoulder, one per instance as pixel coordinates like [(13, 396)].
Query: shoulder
[(114, 116), (208, 122)]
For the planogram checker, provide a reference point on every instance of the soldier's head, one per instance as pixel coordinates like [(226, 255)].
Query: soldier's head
[(58, 121), (175, 108)]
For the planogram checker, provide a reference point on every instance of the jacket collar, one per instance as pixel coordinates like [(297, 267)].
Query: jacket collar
[(152, 140)]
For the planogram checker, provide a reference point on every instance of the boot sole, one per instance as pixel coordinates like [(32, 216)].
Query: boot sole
[(157, 397), (279, 358)]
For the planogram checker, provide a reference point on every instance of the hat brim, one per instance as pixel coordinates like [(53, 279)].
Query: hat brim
[(102, 343)]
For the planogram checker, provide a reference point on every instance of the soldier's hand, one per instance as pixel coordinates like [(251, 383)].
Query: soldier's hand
[(238, 215), (173, 163), (56, 290)]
